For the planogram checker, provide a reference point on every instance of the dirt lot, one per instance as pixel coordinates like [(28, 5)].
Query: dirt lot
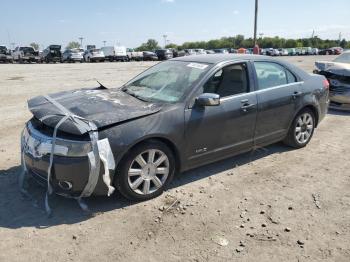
[(274, 204)]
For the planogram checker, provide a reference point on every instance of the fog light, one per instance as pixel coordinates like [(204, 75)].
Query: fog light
[(65, 185)]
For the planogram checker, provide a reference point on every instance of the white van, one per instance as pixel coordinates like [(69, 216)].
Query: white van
[(115, 53)]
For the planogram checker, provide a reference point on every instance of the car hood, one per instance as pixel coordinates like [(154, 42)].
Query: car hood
[(103, 107), (341, 69)]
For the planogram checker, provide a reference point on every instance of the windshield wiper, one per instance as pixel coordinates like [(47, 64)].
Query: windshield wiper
[(126, 90)]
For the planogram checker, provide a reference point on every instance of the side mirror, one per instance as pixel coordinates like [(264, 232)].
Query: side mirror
[(208, 99)]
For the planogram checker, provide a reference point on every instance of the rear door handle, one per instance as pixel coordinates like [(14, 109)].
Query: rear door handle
[(296, 94)]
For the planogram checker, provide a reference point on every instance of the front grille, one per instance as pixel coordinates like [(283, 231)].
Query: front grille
[(47, 130)]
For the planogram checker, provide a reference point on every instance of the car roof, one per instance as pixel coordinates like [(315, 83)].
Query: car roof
[(218, 58)]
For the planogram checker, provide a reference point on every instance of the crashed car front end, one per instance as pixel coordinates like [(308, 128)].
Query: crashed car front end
[(338, 75), (70, 169), (74, 164), (72, 144)]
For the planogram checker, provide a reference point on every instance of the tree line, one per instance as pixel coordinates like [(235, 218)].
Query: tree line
[(239, 41)]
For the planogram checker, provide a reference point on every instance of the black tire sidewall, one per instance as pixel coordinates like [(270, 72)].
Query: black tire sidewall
[(121, 179)]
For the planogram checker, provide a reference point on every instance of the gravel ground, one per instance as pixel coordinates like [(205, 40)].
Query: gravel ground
[(273, 204)]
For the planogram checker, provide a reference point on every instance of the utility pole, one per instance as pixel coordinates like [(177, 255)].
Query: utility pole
[(104, 42), (165, 36), (81, 41), (255, 21), (340, 38)]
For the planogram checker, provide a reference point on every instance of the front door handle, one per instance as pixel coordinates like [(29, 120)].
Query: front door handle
[(296, 94), (246, 106)]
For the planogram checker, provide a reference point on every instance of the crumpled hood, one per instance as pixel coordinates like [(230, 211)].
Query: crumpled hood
[(103, 107), (342, 69)]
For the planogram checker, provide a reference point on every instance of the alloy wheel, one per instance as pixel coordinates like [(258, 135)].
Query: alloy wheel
[(304, 128), (148, 171)]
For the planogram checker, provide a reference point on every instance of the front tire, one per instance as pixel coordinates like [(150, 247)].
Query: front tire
[(301, 130), (145, 171)]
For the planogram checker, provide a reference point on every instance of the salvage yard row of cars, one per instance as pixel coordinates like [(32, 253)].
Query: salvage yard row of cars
[(53, 53)]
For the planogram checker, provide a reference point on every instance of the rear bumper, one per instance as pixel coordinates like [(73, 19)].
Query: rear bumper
[(97, 59), (75, 59)]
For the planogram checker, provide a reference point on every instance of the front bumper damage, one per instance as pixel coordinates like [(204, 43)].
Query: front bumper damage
[(69, 167)]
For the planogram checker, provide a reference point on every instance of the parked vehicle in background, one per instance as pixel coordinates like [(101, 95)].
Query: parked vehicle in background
[(190, 52), (164, 54), (338, 74), (5, 55), (272, 52), (52, 54), (300, 51), (308, 50), (151, 125), (23, 54), (314, 51), (221, 51), (88, 47), (283, 52), (210, 52), (200, 52), (175, 52), (94, 55), (133, 55), (337, 50), (73, 55), (115, 53), (149, 56), (327, 51), (292, 51), (232, 51)]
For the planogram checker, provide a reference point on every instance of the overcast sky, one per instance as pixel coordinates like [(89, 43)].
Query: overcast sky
[(131, 22)]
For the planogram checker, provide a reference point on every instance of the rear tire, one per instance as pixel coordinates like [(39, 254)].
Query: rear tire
[(301, 130), (145, 171)]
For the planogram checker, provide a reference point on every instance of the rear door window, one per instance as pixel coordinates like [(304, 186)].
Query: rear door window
[(272, 74)]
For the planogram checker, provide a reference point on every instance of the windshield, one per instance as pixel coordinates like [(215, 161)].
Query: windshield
[(344, 58), (166, 82)]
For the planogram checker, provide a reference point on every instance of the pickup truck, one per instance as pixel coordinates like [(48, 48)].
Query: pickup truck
[(134, 55), (5, 55), (52, 54), (23, 54)]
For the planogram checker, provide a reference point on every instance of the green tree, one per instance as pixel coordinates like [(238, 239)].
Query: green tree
[(343, 43), (239, 41), (72, 45), (171, 46), (34, 45), (150, 45)]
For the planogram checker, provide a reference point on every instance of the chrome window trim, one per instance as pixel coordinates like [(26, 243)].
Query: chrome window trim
[(260, 91)]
